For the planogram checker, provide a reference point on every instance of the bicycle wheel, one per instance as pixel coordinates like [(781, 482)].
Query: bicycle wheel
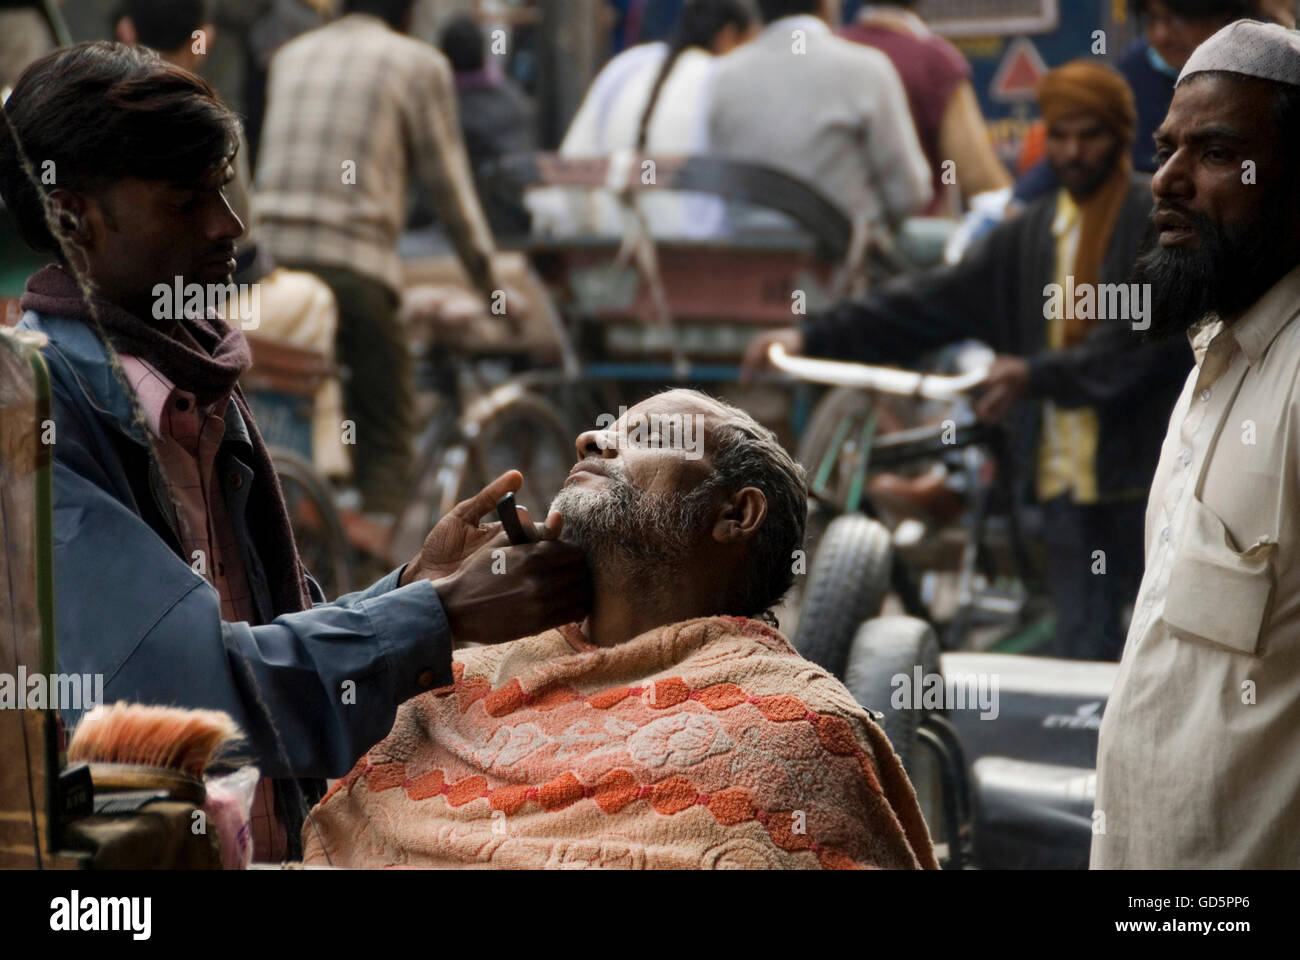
[(526, 433), (835, 446), (317, 530)]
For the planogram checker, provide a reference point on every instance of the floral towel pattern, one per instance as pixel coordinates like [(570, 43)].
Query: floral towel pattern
[(709, 743)]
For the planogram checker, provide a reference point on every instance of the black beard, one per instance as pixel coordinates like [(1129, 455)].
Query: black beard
[(1231, 268)]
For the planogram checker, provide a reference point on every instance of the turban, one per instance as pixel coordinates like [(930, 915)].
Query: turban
[(1083, 86), (1251, 49)]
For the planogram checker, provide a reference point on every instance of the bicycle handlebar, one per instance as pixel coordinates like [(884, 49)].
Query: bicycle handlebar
[(903, 383)]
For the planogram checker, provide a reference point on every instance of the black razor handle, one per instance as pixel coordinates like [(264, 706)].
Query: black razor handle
[(510, 521)]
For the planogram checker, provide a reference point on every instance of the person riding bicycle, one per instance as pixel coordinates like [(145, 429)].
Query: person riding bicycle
[(1044, 290)]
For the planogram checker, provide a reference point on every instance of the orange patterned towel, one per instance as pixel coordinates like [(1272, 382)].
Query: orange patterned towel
[(708, 743)]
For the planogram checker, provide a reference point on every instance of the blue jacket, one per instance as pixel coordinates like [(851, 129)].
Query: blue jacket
[(128, 606)]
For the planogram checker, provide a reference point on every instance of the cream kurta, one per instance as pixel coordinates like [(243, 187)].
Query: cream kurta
[(1199, 759)]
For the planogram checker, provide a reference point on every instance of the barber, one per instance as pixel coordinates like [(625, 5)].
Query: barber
[(176, 573)]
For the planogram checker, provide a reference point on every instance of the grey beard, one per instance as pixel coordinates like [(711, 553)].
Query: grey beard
[(619, 524)]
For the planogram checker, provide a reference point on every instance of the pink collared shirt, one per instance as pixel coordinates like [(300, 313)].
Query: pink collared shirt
[(186, 441)]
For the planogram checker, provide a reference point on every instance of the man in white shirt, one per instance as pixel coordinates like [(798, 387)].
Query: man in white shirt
[(1199, 756), (830, 112)]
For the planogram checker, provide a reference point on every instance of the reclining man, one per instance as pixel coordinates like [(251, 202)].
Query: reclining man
[(177, 577), (672, 729), (1048, 291)]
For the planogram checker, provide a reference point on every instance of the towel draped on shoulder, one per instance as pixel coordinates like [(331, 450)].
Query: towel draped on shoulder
[(703, 744)]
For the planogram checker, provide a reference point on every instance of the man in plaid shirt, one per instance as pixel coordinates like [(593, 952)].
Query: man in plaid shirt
[(354, 108)]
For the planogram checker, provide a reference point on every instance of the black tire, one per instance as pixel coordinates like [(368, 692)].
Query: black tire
[(317, 530), (884, 648), (847, 584)]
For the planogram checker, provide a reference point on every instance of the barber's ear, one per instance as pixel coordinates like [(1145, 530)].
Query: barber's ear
[(70, 214), (741, 515), (126, 32)]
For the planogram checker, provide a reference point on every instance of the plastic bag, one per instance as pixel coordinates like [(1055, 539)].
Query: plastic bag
[(229, 807)]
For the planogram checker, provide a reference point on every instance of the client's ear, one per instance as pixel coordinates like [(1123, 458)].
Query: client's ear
[(741, 515)]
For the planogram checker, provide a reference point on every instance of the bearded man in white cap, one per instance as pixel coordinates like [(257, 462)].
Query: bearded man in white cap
[(1199, 758)]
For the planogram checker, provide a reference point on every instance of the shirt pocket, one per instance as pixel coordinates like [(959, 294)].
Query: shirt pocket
[(1216, 593)]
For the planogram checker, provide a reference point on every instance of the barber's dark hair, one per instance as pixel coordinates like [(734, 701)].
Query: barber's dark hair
[(165, 25), (95, 113), (462, 44), (746, 454), (1225, 10), (776, 9), (392, 12), (700, 23)]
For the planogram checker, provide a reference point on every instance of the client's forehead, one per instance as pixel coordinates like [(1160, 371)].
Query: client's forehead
[(679, 402), (688, 412)]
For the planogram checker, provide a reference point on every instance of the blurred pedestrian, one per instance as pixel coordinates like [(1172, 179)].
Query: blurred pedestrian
[(496, 117), (654, 99), (830, 112), (937, 78), (355, 109)]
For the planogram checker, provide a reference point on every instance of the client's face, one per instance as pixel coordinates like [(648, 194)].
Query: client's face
[(643, 487)]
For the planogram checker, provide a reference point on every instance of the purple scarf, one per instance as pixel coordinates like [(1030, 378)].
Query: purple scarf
[(210, 374)]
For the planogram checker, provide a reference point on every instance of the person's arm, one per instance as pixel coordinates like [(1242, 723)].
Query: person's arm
[(326, 681), (444, 167), (1112, 364), (892, 152), (906, 318), (964, 139), (313, 689)]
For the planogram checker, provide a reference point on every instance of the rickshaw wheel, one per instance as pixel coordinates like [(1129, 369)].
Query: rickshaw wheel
[(317, 530), (847, 584), (884, 648)]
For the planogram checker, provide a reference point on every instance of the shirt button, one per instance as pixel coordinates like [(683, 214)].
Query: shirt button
[(425, 679), (1205, 395), (1185, 457), (1164, 535), (236, 480)]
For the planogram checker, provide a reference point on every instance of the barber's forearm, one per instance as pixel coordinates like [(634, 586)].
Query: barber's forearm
[(332, 678)]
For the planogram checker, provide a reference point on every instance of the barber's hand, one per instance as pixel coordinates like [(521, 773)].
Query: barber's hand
[(503, 592), (755, 359), (1006, 382), (459, 533)]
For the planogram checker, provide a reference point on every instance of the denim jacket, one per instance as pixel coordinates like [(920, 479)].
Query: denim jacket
[(324, 682)]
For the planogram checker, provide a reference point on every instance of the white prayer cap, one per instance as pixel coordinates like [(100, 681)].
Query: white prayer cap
[(1252, 49)]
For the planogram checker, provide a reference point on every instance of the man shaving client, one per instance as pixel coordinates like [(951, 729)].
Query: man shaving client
[(176, 574), (672, 728)]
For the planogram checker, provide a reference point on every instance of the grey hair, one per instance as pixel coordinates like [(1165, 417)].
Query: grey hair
[(744, 453)]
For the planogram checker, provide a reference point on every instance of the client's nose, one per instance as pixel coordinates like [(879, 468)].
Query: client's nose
[(596, 443)]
